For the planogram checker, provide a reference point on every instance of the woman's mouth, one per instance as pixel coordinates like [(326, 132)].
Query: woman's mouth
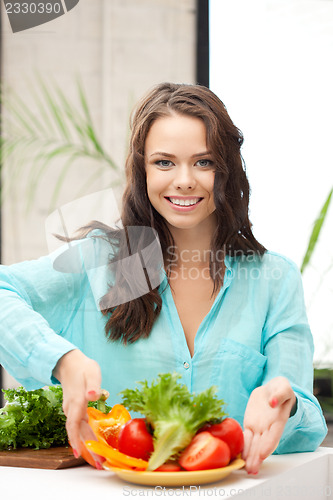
[(184, 204)]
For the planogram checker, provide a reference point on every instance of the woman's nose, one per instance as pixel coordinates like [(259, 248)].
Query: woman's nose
[(184, 178)]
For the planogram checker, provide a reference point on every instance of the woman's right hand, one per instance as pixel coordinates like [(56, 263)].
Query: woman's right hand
[(80, 378)]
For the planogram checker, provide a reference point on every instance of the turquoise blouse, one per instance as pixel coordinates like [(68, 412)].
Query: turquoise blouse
[(256, 329)]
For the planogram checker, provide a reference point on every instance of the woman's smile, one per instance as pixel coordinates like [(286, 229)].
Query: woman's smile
[(184, 203)]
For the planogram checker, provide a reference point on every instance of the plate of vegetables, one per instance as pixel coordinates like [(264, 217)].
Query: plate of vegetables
[(182, 438)]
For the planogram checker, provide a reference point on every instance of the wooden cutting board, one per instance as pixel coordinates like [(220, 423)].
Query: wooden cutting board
[(58, 457)]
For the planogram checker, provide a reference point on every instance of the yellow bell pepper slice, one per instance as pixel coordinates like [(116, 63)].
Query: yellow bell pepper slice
[(106, 427), (114, 457)]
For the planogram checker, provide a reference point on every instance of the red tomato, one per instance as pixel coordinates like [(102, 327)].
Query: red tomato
[(231, 433), (134, 439), (168, 467), (205, 452)]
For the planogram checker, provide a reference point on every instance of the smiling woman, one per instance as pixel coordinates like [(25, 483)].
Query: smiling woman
[(226, 312)]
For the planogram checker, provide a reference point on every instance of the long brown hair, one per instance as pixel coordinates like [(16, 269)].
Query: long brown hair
[(134, 319)]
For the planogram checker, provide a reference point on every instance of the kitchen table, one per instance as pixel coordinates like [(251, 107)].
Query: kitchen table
[(301, 476)]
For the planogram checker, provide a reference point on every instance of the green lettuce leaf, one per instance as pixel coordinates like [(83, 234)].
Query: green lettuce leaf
[(32, 419), (35, 419)]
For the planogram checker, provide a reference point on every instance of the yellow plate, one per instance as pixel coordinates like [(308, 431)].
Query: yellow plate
[(181, 478)]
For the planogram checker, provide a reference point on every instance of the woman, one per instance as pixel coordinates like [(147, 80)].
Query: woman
[(225, 311)]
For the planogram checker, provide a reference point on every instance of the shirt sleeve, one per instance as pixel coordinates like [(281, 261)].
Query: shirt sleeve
[(37, 304), (288, 346)]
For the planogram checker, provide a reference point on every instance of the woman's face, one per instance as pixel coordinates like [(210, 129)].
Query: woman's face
[(180, 171)]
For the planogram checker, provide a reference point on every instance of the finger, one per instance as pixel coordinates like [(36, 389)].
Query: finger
[(248, 436), (263, 446), (271, 439), (87, 434), (93, 394), (277, 397), (280, 391), (253, 460), (77, 414), (274, 402)]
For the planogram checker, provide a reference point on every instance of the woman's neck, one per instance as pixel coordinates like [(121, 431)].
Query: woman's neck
[(192, 246)]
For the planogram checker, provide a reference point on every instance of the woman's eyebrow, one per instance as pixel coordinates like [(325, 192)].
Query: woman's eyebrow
[(161, 153), (196, 155), (204, 153)]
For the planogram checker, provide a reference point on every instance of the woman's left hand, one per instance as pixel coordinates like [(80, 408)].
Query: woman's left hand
[(266, 415)]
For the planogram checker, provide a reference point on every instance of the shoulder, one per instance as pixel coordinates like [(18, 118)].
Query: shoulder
[(271, 266), (269, 258), (275, 260)]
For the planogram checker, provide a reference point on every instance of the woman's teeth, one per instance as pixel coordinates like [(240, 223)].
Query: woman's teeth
[(184, 203)]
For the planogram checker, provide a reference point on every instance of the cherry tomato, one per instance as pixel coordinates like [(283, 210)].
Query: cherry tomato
[(231, 433), (168, 467), (134, 439), (205, 452)]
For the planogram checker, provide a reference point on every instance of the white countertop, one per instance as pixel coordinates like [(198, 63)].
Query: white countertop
[(302, 476)]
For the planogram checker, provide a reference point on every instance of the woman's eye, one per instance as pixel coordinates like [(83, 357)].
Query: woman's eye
[(204, 163), (164, 163)]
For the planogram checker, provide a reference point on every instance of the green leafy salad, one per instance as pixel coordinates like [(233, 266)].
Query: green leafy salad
[(35, 419), (32, 419)]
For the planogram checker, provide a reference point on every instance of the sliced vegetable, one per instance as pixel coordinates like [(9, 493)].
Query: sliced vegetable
[(98, 411), (110, 465), (230, 431), (134, 439), (107, 427), (174, 414), (115, 457), (205, 452)]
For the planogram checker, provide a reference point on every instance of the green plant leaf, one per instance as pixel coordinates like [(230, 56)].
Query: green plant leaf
[(24, 116), (318, 224), (73, 117), (49, 131), (55, 111)]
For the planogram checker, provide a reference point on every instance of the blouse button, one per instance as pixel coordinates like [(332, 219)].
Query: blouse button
[(186, 365)]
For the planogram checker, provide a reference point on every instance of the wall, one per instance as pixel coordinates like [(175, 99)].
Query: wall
[(120, 48)]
